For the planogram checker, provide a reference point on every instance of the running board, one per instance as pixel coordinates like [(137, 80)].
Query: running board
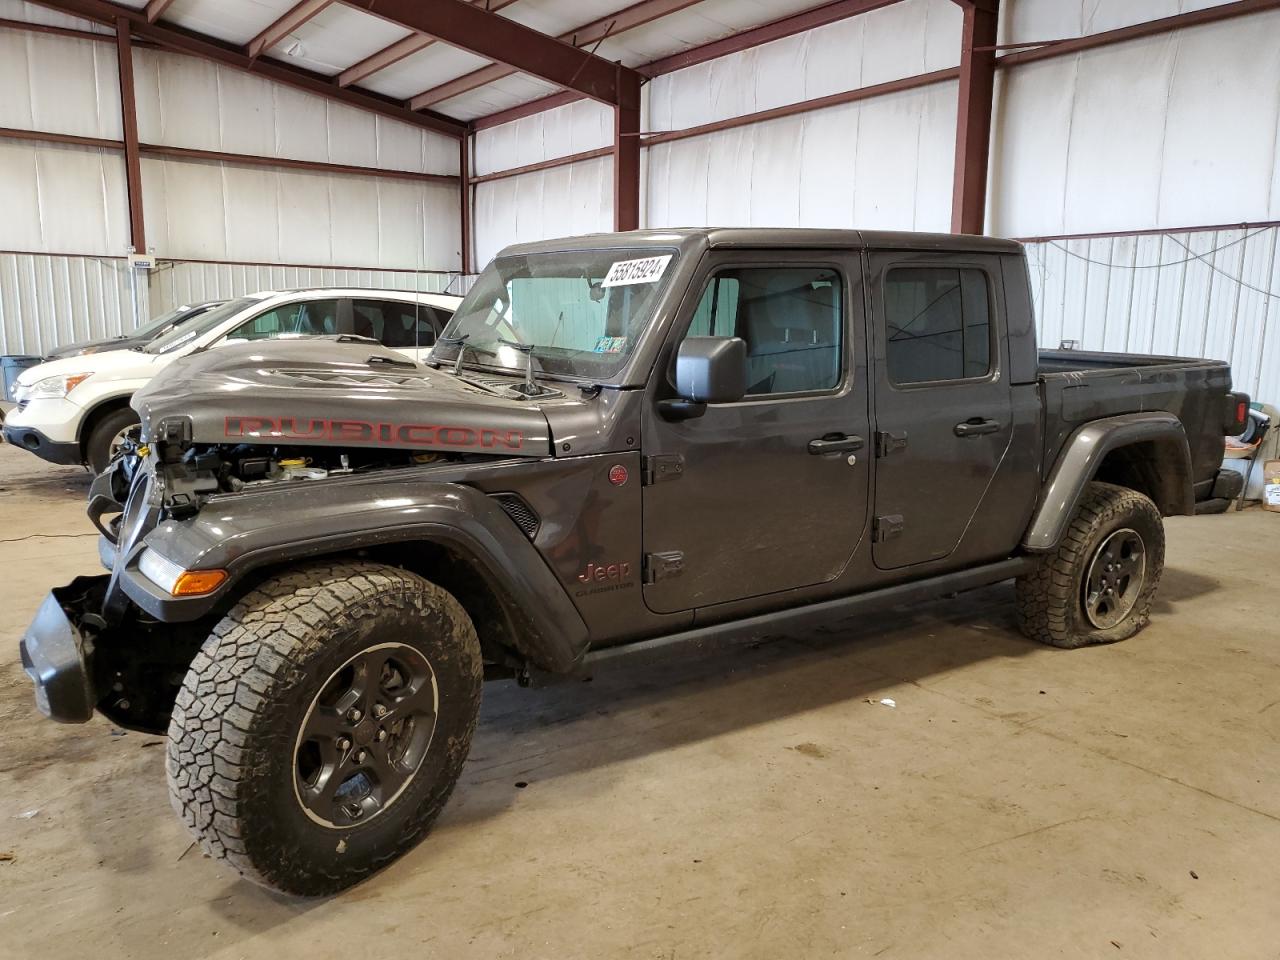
[(722, 635)]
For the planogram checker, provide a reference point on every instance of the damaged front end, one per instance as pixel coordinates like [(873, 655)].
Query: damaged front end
[(246, 464), (89, 646)]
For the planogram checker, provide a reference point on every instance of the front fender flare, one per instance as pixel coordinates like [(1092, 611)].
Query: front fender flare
[(304, 519), (1084, 452)]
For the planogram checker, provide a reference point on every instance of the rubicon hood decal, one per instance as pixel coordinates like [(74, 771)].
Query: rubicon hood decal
[(329, 393), (339, 432)]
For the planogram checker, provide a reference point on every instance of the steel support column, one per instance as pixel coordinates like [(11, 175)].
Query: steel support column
[(464, 186), (973, 120), (129, 117), (626, 153)]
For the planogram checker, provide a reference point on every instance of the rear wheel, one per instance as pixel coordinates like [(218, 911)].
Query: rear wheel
[(1099, 584), (107, 436), (323, 725)]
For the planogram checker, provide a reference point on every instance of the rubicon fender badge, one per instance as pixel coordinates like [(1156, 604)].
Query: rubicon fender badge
[(618, 474)]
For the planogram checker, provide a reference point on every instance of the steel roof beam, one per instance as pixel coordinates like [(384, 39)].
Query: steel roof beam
[(734, 43), (279, 29), (157, 7), (397, 51), (206, 47), (468, 27), (638, 14)]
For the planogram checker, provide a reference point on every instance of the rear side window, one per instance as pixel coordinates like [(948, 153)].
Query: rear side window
[(395, 323), (307, 318), (938, 324), (791, 319)]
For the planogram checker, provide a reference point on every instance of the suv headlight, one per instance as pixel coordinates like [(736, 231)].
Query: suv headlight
[(50, 388), (178, 581)]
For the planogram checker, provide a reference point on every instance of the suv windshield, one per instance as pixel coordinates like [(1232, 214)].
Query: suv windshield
[(151, 328), (582, 311), (184, 333)]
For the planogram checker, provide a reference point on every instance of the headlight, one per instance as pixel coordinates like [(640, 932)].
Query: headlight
[(175, 580), (50, 388)]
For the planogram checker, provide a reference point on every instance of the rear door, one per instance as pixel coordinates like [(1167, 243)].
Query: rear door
[(741, 502), (943, 407), (402, 325)]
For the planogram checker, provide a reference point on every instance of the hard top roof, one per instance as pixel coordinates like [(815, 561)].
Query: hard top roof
[(773, 238)]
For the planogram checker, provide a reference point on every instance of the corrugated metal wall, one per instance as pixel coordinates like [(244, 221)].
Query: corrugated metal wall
[(50, 300), (65, 221), (1208, 293), (176, 283)]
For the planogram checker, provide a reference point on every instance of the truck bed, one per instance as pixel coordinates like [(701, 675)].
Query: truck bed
[(1079, 385)]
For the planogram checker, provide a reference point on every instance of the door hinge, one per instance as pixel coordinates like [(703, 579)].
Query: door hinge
[(660, 566), (887, 528), (886, 443), (665, 466)]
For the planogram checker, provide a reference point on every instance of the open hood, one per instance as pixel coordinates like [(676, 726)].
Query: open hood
[(337, 393)]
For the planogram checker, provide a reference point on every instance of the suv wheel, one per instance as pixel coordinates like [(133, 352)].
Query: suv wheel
[(107, 436), (1098, 586), (321, 728)]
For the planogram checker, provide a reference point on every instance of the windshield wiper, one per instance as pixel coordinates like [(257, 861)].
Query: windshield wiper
[(461, 341)]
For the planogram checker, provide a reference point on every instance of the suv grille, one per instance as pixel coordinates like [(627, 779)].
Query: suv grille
[(520, 512)]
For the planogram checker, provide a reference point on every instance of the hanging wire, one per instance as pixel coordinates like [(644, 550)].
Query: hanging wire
[(1175, 263), (1220, 271), (1160, 266)]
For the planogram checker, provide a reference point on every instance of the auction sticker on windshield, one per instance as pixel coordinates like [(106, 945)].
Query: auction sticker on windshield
[(645, 270)]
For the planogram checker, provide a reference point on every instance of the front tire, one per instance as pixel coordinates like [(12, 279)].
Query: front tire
[(1099, 584), (107, 434), (324, 723)]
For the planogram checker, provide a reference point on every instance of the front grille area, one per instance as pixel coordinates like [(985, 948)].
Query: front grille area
[(519, 511)]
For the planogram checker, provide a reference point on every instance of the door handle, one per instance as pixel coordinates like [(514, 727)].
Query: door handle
[(976, 427), (835, 443)]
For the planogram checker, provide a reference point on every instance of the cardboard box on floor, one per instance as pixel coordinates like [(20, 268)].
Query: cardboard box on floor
[(1271, 488)]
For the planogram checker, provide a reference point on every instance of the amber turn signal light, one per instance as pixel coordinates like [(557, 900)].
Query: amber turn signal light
[(196, 583)]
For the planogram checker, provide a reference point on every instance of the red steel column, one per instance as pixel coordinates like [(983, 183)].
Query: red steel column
[(129, 116), (626, 154), (973, 122), (464, 185)]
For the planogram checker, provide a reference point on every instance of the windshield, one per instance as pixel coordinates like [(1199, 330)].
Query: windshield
[(582, 311), (149, 330), (184, 333)]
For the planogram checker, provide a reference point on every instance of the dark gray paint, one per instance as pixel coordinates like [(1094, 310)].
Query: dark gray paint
[(762, 519)]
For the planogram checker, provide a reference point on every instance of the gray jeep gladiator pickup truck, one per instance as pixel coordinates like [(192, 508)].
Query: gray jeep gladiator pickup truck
[(622, 443)]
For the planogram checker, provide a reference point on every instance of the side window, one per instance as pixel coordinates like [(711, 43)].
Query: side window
[(308, 318), (939, 324), (393, 322), (791, 318)]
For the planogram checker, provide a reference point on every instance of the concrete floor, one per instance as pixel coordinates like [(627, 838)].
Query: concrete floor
[(1017, 802)]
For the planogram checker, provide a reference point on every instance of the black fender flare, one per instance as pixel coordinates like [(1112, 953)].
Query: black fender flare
[(1084, 452), (305, 519)]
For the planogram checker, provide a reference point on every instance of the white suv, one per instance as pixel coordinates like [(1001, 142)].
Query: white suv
[(76, 410)]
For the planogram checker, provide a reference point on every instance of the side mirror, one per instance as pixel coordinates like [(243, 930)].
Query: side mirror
[(708, 370)]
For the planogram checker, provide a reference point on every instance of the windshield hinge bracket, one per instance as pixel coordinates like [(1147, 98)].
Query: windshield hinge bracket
[(664, 466)]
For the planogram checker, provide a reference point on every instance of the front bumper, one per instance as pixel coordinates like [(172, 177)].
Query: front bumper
[(55, 655), (31, 439)]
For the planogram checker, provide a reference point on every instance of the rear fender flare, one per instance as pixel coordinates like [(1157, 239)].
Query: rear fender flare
[(1083, 454)]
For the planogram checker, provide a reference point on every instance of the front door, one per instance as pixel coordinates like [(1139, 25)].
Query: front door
[(768, 494), (942, 399)]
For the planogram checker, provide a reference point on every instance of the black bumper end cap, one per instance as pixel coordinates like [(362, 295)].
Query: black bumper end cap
[(52, 656), (33, 441)]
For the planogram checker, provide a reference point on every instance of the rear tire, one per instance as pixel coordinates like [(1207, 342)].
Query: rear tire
[(1099, 584), (324, 723), (100, 447)]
